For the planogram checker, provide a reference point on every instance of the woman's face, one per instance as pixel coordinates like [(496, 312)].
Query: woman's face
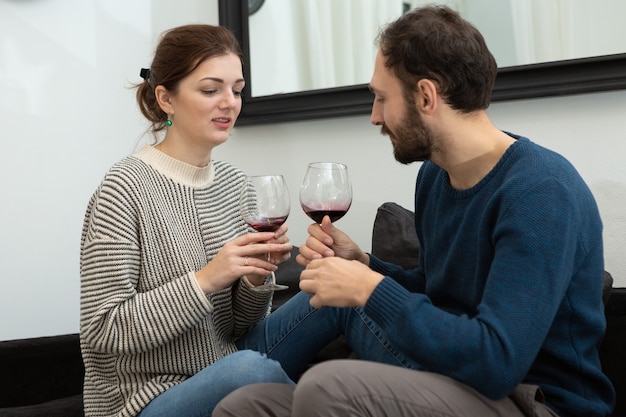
[(207, 102)]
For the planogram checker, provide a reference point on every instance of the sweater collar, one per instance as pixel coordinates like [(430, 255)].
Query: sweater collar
[(176, 170)]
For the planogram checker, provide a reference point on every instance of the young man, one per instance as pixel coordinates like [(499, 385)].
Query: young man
[(504, 315)]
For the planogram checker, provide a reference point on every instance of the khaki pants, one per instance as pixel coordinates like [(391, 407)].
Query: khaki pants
[(349, 388)]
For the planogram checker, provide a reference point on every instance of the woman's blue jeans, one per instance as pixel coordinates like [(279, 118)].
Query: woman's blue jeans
[(291, 336), (197, 396)]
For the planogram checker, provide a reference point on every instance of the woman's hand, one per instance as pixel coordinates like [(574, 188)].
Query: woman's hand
[(280, 236), (326, 240), (245, 255)]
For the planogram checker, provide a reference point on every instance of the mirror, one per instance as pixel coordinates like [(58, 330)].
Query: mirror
[(537, 57)]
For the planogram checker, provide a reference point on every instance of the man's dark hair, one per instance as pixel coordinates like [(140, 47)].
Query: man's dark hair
[(436, 43)]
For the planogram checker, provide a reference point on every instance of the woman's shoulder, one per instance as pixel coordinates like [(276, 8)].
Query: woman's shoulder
[(226, 170), (124, 176), (225, 166), (130, 168)]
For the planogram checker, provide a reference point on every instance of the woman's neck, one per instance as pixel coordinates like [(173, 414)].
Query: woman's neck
[(191, 155)]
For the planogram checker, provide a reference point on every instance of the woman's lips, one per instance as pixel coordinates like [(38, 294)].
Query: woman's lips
[(223, 122)]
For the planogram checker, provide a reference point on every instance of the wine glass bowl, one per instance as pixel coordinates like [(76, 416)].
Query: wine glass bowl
[(265, 204), (326, 191)]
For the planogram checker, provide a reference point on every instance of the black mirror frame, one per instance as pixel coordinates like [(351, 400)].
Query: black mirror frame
[(576, 76)]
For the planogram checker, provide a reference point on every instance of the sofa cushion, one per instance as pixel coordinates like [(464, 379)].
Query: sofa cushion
[(607, 286), (393, 236)]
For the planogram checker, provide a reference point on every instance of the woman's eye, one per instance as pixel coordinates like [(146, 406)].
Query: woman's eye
[(209, 92), (237, 93)]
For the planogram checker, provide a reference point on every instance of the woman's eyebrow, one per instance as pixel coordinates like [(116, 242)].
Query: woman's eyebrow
[(219, 80)]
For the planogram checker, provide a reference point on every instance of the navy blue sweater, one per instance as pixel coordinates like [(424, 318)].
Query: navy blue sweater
[(509, 286)]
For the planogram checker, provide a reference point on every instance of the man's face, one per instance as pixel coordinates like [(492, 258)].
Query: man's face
[(413, 140), (395, 110)]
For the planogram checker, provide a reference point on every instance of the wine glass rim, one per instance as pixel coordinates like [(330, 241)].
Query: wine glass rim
[(332, 165), (265, 176)]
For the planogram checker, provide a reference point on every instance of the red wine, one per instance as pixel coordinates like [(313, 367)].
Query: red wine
[(267, 224), (318, 215)]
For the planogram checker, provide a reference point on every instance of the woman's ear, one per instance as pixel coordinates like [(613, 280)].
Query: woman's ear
[(164, 98), (426, 96)]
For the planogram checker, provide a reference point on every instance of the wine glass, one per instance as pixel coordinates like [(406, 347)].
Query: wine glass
[(264, 204), (326, 190)]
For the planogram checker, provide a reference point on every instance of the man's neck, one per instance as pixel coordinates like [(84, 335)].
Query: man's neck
[(471, 147)]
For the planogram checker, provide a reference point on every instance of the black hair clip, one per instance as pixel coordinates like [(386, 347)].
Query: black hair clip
[(145, 73)]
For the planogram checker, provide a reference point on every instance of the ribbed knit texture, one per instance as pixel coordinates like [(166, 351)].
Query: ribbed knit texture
[(509, 285), (145, 323)]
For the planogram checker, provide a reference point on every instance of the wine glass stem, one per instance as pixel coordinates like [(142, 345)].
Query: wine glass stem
[(273, 279)]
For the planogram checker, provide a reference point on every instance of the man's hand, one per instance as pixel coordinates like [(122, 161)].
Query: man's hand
[(336, 282), (326, 240)]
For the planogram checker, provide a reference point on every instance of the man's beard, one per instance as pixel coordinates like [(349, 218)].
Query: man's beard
[(413, 140)]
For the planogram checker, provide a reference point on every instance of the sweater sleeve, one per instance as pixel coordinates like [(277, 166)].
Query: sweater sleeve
[(249, 307), (412, 280), (491, 347)]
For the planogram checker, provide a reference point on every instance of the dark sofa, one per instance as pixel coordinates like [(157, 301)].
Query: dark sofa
[(43, 376)]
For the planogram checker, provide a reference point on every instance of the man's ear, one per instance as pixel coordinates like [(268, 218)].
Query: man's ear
[(164, 98), (426, 96)]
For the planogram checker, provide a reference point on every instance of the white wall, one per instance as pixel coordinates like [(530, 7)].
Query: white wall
[(67, 114)]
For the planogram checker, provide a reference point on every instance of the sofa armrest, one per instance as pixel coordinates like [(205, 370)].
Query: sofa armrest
[(612, 354), (40, 369)]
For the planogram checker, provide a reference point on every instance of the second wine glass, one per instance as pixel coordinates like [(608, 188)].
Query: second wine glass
[(326, 190), (264, 203)]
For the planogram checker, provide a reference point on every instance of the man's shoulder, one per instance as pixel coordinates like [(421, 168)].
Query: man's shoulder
[(536, 162)]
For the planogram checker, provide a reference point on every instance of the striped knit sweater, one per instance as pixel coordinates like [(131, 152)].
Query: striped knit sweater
[(145, 323)]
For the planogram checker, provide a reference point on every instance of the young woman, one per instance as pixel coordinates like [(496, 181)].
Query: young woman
[(167, 263)]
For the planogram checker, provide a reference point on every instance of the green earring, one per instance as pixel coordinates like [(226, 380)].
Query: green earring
[(168, 123)]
